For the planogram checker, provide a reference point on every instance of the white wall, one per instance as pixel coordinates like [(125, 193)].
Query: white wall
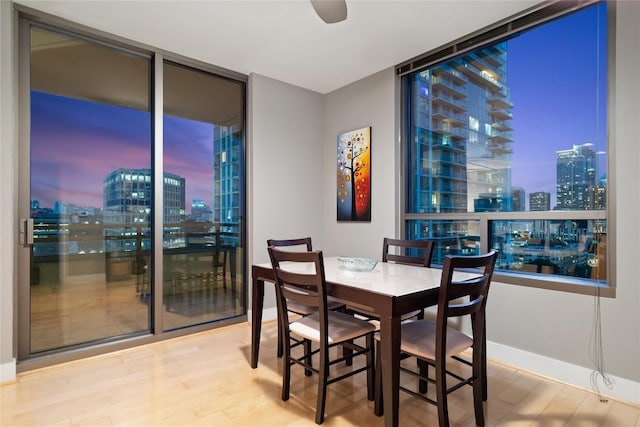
[(285, 174), (368, 102)]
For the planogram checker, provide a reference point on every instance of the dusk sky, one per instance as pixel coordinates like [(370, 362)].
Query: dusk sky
[(544, 79), (76, 143)]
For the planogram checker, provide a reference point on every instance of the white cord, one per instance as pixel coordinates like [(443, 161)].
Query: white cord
[(597, 352), (595, 344)]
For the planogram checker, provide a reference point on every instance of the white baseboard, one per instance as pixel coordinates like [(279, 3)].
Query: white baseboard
[(8, 372), (622, 389)]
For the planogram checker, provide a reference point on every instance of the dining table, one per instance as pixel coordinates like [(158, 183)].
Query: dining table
[(389, 290)]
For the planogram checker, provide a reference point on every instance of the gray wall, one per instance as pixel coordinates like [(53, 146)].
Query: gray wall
[(368, 102), (559, 325), (291, 148), (7, 197), (284, 167), (549, 332)]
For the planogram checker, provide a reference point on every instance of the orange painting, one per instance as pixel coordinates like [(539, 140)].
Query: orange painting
[(354, 175)]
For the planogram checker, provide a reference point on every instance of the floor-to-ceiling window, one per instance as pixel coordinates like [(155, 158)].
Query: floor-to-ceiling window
[(506, 148), (91, 278)]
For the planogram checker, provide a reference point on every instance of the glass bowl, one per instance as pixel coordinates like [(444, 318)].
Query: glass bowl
[(358, 264)]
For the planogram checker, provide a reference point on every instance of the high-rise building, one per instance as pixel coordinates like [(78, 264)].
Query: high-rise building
[(127, 200), (127, 197), (576, 175), (62, 208), (492, 202), (597, 197), (462, 140), (226, 175), (200, 211), (518, 199), (540, 201)]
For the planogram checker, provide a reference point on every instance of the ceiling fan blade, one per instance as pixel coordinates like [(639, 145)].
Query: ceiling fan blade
[(330, 11)]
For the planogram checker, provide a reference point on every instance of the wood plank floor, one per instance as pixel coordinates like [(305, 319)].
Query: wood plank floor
[(205, 380)]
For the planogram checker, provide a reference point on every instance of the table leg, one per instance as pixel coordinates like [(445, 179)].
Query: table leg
[(257, 301), (390, 358)]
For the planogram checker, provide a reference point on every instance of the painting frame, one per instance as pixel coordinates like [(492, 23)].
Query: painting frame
[(353, 173)]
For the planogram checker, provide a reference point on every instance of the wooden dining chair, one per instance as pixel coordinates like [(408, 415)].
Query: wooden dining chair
[(322, 329), (422, 251), (434, 342), (301, 243)]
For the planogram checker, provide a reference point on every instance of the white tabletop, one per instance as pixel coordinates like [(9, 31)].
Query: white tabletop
[(386, 278)]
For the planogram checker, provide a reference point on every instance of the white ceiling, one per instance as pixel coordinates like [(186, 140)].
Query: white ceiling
[(286, 40)]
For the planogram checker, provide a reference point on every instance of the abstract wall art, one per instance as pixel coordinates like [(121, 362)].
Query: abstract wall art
[(354, 175)]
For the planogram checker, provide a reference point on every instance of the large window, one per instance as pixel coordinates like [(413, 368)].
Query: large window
[(506, 147)]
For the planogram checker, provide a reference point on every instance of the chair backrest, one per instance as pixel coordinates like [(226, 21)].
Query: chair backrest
[(303, 285), (466, 297), (424, 246), (302, 241)]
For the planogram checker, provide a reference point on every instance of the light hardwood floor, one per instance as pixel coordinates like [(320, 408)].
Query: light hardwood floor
[(205, 380)]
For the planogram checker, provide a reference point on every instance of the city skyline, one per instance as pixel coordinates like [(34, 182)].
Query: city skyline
[(109, 137), (564, 77)]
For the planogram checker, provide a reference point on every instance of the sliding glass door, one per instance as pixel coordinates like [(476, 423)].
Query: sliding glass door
[(91, 276), (202, 204), (89, 120)]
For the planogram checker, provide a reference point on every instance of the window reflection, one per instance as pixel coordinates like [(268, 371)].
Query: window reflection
[(573, 248), (90, 212), (450, 237), (509, 127), (203, 131)]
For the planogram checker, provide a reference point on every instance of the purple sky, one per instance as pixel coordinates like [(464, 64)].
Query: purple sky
[(75, 143), (544, 80)]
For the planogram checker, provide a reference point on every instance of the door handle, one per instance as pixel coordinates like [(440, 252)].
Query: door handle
[(26, 231)]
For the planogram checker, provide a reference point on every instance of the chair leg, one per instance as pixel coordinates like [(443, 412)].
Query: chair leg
[(479, 385), (378, 407), (280, 343), (224, 270), (347, 352), (286, 372), (322, 385), (441, 393), (423, 367), (485, 391), (309, 360), (477, 402)]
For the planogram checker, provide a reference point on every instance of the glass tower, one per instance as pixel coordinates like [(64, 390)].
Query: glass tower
[(460, 148), (576, 177)]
